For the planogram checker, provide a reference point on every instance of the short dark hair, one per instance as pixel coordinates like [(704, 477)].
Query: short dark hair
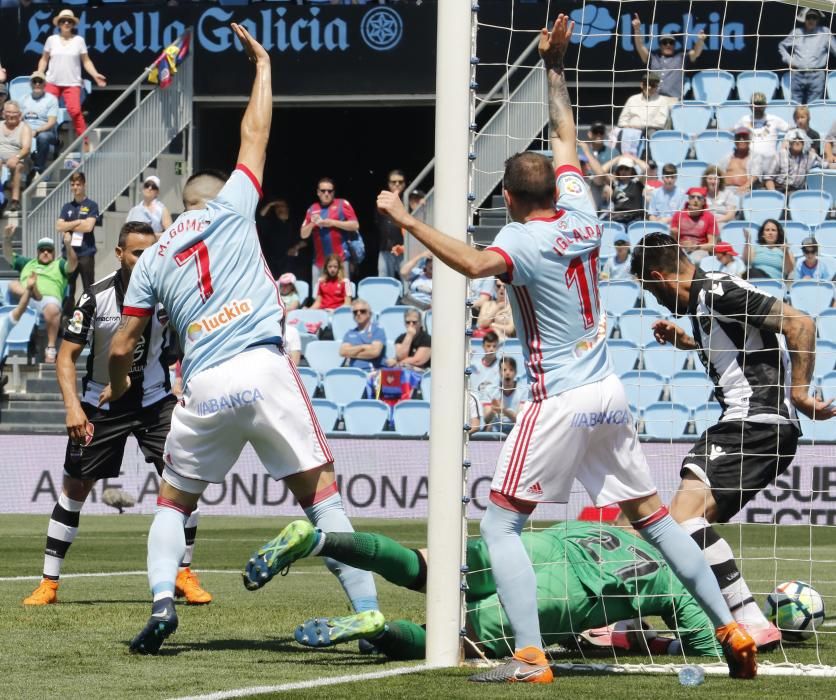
[(656, 252), (325, 179), (490, 337), (669, 169), (508, 360), (781, 237), (133, 227), (78, 176), (207, 172), (529, 178)]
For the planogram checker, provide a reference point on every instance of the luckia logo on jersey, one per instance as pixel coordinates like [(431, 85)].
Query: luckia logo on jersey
[(230, 313)]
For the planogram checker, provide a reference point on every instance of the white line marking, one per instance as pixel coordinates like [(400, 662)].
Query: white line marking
[(102, 574), (302, 685)]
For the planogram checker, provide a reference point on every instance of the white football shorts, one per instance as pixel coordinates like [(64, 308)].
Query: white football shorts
[(256, 397), (586, 433)]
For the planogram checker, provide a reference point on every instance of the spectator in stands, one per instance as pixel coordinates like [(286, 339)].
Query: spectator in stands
[(417, 202), (812, 265), (292, 343), (740, 165), (11, 319), (412, 348), (4, 94), (151, 210), (729, 260), (805, 51), (694, 227), (668, 62), (792, 164), (484, 372), (506, 397), (47, 293), (495, 315), (480, 291), (829, 160), (722, 202), (764, 127), (3, 76), (79, 217), (592, 154), (390, 236), (15, 144), (328, 221), (668, 198), (333, 290), (364, 346), (617, 267), (288, 292), (474, 413), (644, 112), (63, 56), (418, 273), (801, 118), (627, 191), (281, 241), (770, 257), (40, 112)]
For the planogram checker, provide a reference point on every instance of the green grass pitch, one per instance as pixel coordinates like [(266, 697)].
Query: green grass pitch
[(78, 648)]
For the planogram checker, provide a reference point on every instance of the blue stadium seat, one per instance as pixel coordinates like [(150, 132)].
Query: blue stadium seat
[(794, 233), (825, 234), (811, 296), (819, 179), (19, 88), (412, 418), (380, 292), (822, 115), (706, 415), (732, 232), (775, 288), (760, 205), (323, 355), (635, 325), (327, 413), (428, 321), (344, 384), (730, 112), (826, 324), (710, 264), (689, 173), (712, 86), (830, 91), (649, 302), (786, 85), (825, 361), (365, 417), (390, 320), (310, 379), (643, 388), (624, 355), (669, 146), (810, 206), (639, 229), (665, 421), (752, 81), (306, 320), (713, 146), (426, 385), (664, 360), (342, 321), (611, 232), (303, 289), (783, 109), (617, 296), (690, 117), (828, 386), (4, 293), (18, 339), (818, 430), (691, 387)]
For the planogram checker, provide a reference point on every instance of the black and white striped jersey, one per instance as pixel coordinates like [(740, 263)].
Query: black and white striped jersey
[(750, 366), (96, 319)]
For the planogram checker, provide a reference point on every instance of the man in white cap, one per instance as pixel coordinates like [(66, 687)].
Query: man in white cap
[(40, 112), (151, 210)]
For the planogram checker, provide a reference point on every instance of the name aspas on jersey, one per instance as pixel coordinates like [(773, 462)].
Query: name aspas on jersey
[(553, 276), (96, 319), (750, 366)]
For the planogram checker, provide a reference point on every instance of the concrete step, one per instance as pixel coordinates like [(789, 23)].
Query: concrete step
[(23, 402), (45, 385), (37, 397), (52, 417), (8, 428)]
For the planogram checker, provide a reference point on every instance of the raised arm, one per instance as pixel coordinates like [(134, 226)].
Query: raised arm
[(638, 39), (562, 132), (255, 126), (696, 50)]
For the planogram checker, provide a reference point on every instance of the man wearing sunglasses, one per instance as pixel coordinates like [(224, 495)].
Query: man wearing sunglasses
[(694, 227), (668, 62), (40, 112), (390, 235), (364, 346), (813, 266), (327, 223)]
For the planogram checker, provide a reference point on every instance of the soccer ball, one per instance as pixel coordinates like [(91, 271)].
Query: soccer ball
[(796, 609)]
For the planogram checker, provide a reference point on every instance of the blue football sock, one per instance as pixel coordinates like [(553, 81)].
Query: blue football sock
[(513, 573), (329, 516), (688, 563), (166, 547)]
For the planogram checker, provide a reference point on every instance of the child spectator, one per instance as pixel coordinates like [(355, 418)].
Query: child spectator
[(813, 266), (418, 272), (505, 398), (484, 371), (495, 315), (801, 117), (722, 202), (333, 291), (694, 227), (770, 257), (151, 210), (729, 260), (618, 266), (288, 292)]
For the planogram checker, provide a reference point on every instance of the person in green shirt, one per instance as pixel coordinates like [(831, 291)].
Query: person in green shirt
[(588, 575), (45, 293)]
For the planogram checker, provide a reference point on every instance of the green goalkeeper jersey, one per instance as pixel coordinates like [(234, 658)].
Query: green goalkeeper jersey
[(588, 575)]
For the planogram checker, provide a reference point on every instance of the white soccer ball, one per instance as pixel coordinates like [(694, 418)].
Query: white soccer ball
[(796, 608)]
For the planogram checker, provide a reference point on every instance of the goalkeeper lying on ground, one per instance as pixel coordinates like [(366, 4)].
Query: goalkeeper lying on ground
[(588, 576)]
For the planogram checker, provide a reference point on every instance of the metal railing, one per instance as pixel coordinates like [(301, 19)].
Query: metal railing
[(117, 161)]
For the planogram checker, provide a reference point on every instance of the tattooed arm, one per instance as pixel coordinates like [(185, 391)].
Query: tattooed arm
[(563, 136)]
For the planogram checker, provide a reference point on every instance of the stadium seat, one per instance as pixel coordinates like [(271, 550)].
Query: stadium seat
[(794, 233), (786, 85), (826, 324), (818, 179), (411, 418), (689, 173), (828, 386), (669, 146), (710, 264), (4, 292), (752, 81), (649, 302), (342, 321), (830, 92), (344, 384), (664, 360), (818, 430), (690, 117), (19, 88), (323, 355), (303, 289), (706, 415), (365, 417), (665, 421), (712, 86), (760, 205), (713, 146), (822, 115), (309, 320), (611, 232), (825, 361), (825, 234), (732, 232), (810, 206), (691, 387), (380, 292), (428, 321), (390, 320), (639, 229), (635, 325), (642, 388), (811, 296), (18, 339), (426, 385), (775, 288), (618, 296), (327, 413), (730, 112), (624, 355), (310, 379), (783, 109)]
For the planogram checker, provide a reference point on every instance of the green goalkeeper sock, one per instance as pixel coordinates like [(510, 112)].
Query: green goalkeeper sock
[(379, 554), (402, 641)]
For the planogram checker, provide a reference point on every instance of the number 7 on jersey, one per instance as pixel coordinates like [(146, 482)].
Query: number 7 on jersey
[(200, 253)]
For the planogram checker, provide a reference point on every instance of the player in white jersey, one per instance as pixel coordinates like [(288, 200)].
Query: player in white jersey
[(577, 423), (239, 384)]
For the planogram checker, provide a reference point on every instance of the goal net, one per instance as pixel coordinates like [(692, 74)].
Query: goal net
[(729, 109)]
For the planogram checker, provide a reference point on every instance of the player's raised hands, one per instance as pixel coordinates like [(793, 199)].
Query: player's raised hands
[(553, 44), (390, 204), (255, 51)]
